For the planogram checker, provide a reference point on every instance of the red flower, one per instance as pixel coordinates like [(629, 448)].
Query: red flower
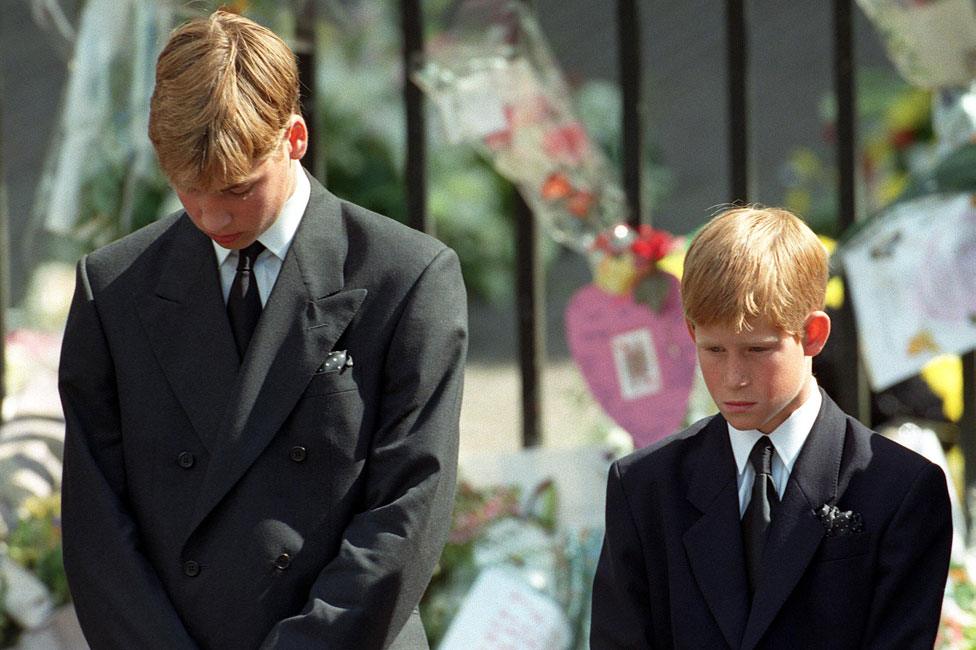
[(567, 143), (555, 187), (902, 138), (651, 245), (580, 203)]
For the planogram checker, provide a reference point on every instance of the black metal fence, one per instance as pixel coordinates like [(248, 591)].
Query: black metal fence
[(855, 398), (529, 273)]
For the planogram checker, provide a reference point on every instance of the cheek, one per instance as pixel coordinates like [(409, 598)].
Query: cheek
[(779, 377), (711, 370)]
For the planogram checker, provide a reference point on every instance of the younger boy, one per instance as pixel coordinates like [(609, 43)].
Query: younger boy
[(780, 522)]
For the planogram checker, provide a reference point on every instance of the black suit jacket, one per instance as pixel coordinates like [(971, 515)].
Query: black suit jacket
[(217, 504), (672, 574)]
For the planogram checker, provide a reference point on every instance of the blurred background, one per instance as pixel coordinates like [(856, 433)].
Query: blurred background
[(725, 101)]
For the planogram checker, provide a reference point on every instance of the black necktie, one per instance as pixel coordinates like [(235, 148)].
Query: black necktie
[(761, 508), (244, 302)]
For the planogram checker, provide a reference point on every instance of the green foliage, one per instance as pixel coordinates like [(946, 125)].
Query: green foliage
[(35, 544)]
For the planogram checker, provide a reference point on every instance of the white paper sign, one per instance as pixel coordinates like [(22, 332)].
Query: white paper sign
[(931, 42), (912, 278), (503, 613)]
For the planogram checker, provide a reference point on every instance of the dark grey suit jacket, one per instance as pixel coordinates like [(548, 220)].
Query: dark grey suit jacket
[(268, 504), (672, 573)]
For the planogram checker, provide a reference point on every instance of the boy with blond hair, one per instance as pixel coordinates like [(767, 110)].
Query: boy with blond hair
[(261, 391), (780, 522)]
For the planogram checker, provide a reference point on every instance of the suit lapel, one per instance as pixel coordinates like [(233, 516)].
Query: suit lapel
[(188, 330), (305, 315), (714, 543), (796, 531)]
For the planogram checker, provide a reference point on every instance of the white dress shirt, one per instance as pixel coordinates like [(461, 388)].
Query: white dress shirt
[(787, 439), (276, 239)]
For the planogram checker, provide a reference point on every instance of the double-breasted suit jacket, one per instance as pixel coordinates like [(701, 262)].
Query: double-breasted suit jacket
[(282, 501), (672, 573)]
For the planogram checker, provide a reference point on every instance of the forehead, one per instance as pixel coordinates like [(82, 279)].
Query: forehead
[(762, 330), (217, 184)]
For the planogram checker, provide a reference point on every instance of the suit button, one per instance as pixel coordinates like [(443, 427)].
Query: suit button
[(191, 568), (298, 454), (186, 459), (283, 561)]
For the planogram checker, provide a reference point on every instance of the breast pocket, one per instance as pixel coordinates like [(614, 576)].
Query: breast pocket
[(327, 383), (841, 548)]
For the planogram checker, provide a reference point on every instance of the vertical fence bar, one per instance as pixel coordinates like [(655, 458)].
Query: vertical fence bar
[(735, 19), (629, 36), (411, 25), (855, 400), (967, 438), (531, 320), (305, 51), (530, 291)]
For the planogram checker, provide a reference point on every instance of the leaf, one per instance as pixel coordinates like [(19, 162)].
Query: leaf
[(652, 290)]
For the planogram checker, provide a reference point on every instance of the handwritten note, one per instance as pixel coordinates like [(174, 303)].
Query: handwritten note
[(503, 613)]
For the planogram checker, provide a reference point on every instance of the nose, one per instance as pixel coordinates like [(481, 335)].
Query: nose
[(736, 374)]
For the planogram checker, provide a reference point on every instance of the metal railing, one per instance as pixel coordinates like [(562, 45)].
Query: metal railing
[(529, 272)]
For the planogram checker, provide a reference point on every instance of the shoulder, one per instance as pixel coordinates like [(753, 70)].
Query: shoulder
[(387, 241), (390, 258), (670, 455), (873, 450), (878, 474), (130, 253)]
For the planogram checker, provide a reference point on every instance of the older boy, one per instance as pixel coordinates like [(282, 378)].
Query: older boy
[(261, 391), (781, 522)]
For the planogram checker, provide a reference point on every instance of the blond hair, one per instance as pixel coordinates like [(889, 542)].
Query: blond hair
[(225, 90), (754, 262)]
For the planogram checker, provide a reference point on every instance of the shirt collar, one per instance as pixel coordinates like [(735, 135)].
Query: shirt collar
[(277, 239), (787, 438)]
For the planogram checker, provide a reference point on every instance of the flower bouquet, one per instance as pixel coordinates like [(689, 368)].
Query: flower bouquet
[(496, 527), (496, 85)]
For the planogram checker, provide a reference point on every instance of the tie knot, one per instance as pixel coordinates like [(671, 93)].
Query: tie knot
[(761, 456), (246, 256)]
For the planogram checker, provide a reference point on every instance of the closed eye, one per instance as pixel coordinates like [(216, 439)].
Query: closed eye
[(240, 190)]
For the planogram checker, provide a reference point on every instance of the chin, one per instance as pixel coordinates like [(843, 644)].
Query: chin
[(742, 422)]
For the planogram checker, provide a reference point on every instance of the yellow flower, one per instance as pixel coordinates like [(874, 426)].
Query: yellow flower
[(909, 111), (615, 274), (673, 262), (890, 188), (798, 201), (943, 374)]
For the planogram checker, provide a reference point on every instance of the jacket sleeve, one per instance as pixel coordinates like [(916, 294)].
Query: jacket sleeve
[(120, 600), (389, 550), (913, 564), (621, 609)]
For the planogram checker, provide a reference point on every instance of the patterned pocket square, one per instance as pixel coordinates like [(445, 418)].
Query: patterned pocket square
[(839, 523), (335, 362)]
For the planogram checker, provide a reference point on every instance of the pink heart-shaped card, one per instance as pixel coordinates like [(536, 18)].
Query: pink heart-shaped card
[(638, 363)]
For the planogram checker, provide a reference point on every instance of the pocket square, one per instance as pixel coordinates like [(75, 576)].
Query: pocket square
[(839, 523), (335, 362)]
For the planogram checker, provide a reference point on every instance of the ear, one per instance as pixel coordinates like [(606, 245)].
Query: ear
[(691, 329), (296, 133), (816, 330)]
